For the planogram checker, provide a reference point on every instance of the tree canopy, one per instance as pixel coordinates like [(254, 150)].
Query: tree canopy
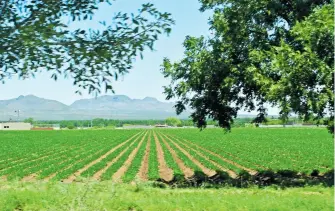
[(29, 120), (261, 52), (173, 121), (35, 36)]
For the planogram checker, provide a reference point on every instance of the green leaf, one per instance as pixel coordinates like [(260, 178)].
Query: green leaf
[(135, 22)]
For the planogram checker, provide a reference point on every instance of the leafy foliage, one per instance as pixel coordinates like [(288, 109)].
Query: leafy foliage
[(35, 37), (172, 121), (268, 51), (29, 120)]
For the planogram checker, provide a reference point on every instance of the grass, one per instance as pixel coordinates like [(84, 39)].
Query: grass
[(110, 196)]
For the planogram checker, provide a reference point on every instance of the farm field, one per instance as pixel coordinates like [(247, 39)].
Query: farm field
[(161, 154)]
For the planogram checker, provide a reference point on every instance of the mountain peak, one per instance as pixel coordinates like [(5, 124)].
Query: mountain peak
[(115, 98), (20, 97), (121, 97), (152, 99), (27, 97), (107, 106)]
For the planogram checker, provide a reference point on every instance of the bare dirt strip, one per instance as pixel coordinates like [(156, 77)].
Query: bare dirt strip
[(119, 173), (230, 172), (143, 172), (188, 172), (250, 171), (98, 174), (207, 171), (165, 172), (234, 156), (74, 176), (29, 178), (230, 154)]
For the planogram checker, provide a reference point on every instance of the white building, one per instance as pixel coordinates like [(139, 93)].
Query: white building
[(15, 126)]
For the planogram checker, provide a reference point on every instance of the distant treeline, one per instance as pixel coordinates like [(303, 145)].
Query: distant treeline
[(99, 122)]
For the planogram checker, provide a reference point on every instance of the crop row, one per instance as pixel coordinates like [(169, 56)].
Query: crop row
[(301, 150), (129, 155)]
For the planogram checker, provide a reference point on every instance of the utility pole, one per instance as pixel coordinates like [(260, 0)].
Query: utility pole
[(18, 114)]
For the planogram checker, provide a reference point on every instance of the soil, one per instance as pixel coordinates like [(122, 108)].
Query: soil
[(143, 172), (165, 172), (230, 172), (188, 172), (46, 179), (29, 178), (42, 128), (250, 171), (98, 174), (74, 176), (32, 177), (117, 175), (69, 166), (207, 171)]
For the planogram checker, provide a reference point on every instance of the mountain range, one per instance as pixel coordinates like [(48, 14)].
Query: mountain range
[(107, 106)]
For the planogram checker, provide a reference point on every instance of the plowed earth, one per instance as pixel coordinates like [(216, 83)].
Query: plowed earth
[(185, 148)]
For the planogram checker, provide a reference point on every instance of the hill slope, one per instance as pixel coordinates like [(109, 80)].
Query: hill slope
[(107, 106)]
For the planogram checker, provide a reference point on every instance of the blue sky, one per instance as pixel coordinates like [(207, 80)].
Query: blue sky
[(145, 78)]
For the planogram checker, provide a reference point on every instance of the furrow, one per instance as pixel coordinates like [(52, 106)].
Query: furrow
[(73, 177), (188, 172), (207, 171), (143, 172), (66, 167), (29, 178), (165, 172), (97, 175), (250, 171), (117, 176), (233, 156), (230, 172)]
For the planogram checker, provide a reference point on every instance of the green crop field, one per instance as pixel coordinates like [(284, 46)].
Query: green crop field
[(129, 155)]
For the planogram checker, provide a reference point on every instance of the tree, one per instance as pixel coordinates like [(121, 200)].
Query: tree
[(262, 51), (172, 121), (99, 122), (35, 36), (29, 120)]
